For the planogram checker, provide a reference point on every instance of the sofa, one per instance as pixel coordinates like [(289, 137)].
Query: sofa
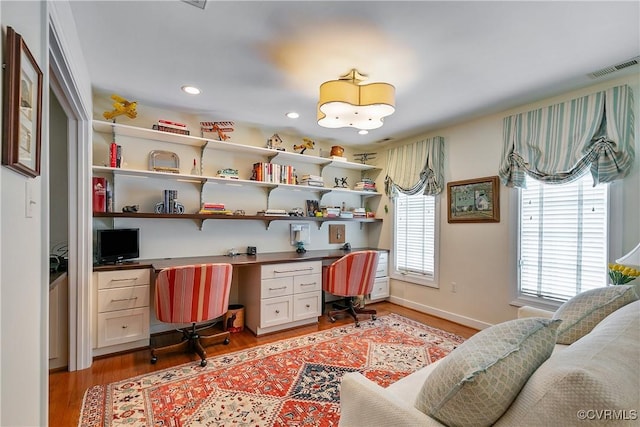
[(577, 366)]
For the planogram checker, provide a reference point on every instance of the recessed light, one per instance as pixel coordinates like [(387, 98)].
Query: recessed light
[(191, 90), (363, 132), (293, 115)]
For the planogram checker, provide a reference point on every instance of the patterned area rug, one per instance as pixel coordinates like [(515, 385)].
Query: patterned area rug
[(293, 382)]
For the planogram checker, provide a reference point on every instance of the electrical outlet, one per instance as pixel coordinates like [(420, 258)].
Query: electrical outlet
[(454, 287), (337, 233)]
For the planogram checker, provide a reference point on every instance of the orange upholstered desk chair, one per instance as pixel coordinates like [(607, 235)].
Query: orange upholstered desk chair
[(351, 276), (192, 294)]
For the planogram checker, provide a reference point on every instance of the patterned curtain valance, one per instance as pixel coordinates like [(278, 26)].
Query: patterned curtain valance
[(557, 144), (416, 168)]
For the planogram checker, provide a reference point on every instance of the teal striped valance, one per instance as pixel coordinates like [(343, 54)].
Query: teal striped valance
[(416, 168), (557, 144)]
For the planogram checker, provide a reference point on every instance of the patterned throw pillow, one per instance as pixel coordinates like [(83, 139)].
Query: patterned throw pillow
[(475, 384), (583, 312)]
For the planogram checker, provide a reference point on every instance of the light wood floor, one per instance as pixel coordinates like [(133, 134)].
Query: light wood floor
[(66, 389)]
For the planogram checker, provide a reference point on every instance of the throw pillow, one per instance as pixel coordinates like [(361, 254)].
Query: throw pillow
[(475, 384), (583, 312)]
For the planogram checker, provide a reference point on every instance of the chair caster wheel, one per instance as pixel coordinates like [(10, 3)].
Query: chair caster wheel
[(357, 324), (374, 317), (332, 320), (226, 341), (203, 363), (154, 359)]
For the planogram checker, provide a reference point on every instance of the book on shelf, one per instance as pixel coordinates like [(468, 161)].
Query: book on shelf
[(273, 212), (99, 186), (273, 172), (115, 155), (172, 124), (170, 198), (164, 128)]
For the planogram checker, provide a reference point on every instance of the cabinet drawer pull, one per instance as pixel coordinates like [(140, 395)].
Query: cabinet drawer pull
[(125, 326), (124, 299), (277, 311), (277, 289), (307, 306), (308, 284), (125, 280), (292, 271)]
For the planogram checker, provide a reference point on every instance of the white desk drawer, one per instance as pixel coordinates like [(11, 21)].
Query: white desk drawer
[(118, 327), (276, 287), (383, 262), (380, 289), (271, 271), (123, 278), (307, 283), (307, 305), (276, 311), (123, 298)]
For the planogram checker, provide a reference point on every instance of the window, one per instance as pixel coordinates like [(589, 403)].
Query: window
[(415, 239), (563, 239)]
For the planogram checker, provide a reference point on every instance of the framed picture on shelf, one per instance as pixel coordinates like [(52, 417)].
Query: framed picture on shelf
[(22, 119), (474, 200), (313, 207)]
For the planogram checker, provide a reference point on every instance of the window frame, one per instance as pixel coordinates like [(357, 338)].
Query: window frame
[(614, 230), (417, 279)]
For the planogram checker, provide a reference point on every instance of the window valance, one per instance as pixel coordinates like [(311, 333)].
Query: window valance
[(557, 144), (416, 167)]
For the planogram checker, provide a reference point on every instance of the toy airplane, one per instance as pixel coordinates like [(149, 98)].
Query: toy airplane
[(306, 143), (220, 127), (364, 157), (121, 106)]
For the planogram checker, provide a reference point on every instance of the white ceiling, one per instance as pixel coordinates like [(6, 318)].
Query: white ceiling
[(255, 61)]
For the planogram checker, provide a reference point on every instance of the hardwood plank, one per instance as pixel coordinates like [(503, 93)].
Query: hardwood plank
[(66, 389)]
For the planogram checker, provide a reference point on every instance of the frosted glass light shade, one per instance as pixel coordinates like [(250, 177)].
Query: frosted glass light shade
[(345, 103)]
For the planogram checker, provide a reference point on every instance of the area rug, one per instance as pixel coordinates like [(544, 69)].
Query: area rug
[(293, 382)]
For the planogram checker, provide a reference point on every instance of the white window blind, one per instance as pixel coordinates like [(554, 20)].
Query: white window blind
[(415, 235), (563, 238)]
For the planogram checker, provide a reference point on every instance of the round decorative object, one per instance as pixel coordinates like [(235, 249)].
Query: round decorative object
[(337, 150)]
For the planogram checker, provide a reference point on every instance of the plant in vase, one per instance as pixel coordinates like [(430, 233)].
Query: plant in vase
[(622, 274)]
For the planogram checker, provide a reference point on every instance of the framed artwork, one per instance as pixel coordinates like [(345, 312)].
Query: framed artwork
[(474, 200), (22, 120)]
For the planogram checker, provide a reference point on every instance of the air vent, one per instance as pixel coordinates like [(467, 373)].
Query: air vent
[(384, 140), (197, 3), (614, 68)]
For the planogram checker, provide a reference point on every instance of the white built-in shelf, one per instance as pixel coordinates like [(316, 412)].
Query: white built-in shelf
[(281, 156)]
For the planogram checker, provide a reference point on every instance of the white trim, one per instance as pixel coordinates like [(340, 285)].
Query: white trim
[(76, 100), (452, 317)]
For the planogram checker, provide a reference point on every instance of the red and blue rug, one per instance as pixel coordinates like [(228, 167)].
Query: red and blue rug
[(293, 382)]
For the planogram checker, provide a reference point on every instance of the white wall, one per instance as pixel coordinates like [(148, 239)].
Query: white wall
[(481, 258), (23, 272)]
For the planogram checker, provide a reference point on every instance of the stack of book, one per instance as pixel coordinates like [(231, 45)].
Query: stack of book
[(271, 172), (330, 212), (311, 180), (215, 209), (273, 212), (171, 127), (359, 213), (365, 185)]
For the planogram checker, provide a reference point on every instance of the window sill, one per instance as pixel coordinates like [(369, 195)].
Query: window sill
[(535, 302), (415, 279)]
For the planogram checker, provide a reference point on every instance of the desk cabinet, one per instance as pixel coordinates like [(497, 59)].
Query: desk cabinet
[(380, 289), (121, 305), (281, 296)]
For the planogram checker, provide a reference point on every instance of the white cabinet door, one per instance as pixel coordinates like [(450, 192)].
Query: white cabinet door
[(307, 305), (276, 311), (380, 289)]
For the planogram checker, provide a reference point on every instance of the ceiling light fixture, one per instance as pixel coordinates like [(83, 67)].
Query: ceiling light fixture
[(293, 115), (191, 90), (347, 103), (363, 132)]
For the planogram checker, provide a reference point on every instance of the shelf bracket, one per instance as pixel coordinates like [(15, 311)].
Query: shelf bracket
[(204, 146), (269, 190)]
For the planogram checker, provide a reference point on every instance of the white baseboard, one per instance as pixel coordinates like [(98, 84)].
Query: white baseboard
[(463, 320)]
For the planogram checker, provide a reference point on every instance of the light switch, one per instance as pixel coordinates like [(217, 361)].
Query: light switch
[(28, 199)]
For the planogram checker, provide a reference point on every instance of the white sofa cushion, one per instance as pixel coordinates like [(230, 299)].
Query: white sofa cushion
[(583, 312), (475, 384), (598, 372)]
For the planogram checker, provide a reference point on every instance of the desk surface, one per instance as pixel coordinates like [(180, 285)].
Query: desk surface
[(237, 260)]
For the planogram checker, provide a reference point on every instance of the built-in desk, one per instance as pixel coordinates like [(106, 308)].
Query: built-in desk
[(277, 295)]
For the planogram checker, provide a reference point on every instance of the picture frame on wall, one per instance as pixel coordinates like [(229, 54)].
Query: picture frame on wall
[(474, 200), (22, 119)]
